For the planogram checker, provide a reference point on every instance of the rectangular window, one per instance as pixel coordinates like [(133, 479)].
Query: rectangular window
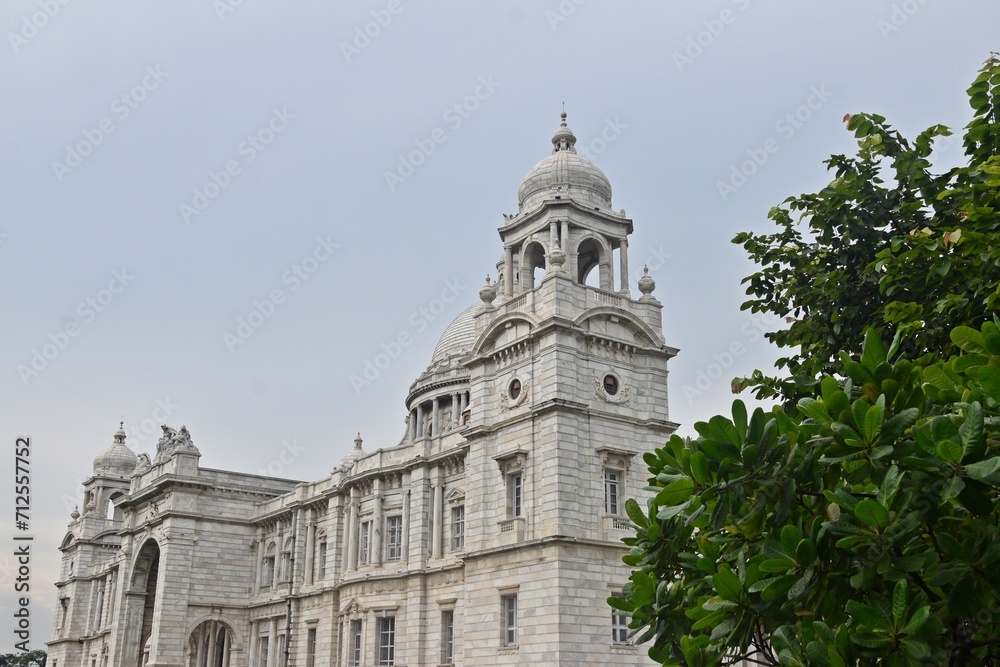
[(363, 542), (458, 527), (387, 641), (447, 637), (267, 574), (285, 571), (279, 656), (394, 538), (262, 652), (355, 657), (311, 647), (619, 625), (612, 491), (508, 604), (514, 495), (321, 570)]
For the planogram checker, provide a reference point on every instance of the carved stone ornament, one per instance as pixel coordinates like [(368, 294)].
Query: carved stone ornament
[(620, 398), (511, 462), (174, 441), (508, 403), (143, 465)]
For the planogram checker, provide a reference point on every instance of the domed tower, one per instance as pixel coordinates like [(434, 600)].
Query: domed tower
[(90, 558), (567, 376)]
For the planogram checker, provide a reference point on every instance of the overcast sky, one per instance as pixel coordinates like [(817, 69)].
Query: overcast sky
[(167, 165)]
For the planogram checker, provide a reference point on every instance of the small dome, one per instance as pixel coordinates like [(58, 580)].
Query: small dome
[(347, 462), (459, 337), (566, 174), (117, 460)]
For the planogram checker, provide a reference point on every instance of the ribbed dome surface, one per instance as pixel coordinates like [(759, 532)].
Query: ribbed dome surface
[(117, 460), (565, 173), (458, 337)]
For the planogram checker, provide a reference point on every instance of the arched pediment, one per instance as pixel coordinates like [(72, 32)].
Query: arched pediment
[(67, 542), (503, 330), (619, 324)]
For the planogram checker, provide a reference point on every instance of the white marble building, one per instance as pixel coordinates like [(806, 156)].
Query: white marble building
[(489, 535)]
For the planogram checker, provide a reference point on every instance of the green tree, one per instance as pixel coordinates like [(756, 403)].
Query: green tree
[(34, 658), (887, 243), (861, 527), (859, 522)]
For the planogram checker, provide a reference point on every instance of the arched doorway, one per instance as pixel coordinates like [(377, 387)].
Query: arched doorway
[(209, 645), (141, 603)]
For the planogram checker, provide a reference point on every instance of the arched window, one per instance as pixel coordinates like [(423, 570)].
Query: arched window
[(114, 513), (533, 266), (267, 571), (209, 645)]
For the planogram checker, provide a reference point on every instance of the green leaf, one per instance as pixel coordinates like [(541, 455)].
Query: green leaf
[(727, 584), (675, 493), (789, 540), (871, 513), (987, 471), (873, 353), (634, 512), (898, 602), (968, 339), (949, 451), (867, 616)]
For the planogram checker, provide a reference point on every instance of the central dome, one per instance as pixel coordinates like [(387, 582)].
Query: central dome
[(565, 174), (458, 337)]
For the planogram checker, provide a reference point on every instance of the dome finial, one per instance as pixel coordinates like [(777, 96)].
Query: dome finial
[(563, 139), (358, 441)]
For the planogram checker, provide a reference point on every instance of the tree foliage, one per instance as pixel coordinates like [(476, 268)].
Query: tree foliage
[(859, 522), (860, 527), (887, 243), (34, 658)]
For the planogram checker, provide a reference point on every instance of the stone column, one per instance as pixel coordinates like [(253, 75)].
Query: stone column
[(564, 241), (436, 544), (376, 543), (310, 544), (623, 258), (272, 643), (508, 271), (352, 533), (252, 658), (212, 639), (198, 658), (436, 417), (456, 411), (413, 425), (553, 238), (405, 546), (420, 420)]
